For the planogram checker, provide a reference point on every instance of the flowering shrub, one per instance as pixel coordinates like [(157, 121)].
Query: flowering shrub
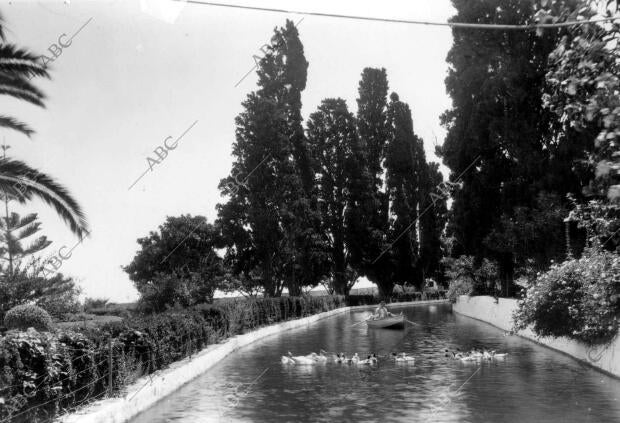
[(28, 316), (578, 299), (460, 286)]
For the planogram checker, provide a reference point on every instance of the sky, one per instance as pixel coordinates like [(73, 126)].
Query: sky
[(138, 72)]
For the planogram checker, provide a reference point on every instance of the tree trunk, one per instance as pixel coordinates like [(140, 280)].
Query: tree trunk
[(385, 288), (268, 285), (506, 274)]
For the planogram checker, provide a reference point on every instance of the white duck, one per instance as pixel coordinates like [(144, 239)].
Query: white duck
[(301, 359), (404, 358), (287, 360), (355, 358), (369, 360), (319, 358)]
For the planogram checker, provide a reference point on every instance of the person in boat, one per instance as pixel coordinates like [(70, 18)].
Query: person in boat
[(382, 312)]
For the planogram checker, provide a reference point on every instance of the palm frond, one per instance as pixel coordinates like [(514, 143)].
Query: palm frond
[(24, 183), (12, 123), (16, 61), (19, 87)]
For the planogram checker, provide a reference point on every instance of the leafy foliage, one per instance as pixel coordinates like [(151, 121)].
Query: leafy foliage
[(28, 316), (500, 139), (458, 287), (27, 285), (583, 87), (579, 299), (464, 271), (178, 263), (338, 160), (271, 222)]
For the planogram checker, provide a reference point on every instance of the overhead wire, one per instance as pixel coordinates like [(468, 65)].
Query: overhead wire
[(527, 27)]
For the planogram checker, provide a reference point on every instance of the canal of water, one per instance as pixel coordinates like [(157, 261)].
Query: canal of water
[(532, 384)]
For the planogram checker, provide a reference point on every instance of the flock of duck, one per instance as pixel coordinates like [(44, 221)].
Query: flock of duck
[(475, 354), (314, 358)]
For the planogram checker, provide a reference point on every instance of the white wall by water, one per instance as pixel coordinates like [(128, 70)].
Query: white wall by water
[(499, 314)]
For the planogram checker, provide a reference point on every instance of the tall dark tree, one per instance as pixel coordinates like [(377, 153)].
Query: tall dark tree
[(269, 221), (374, 258), (403, 171), (433, 221), (498, 131), (336, 154)]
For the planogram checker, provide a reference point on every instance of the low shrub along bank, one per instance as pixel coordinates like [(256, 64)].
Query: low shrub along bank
[(579, 299)]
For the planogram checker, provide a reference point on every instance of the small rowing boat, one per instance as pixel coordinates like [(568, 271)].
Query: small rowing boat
[(392, 322)]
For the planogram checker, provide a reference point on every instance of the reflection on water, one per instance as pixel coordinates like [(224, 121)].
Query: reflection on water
[(533, 384)]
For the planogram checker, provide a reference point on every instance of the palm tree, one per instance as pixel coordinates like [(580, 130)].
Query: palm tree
[(17, 67), (18, 180), (23, 183)]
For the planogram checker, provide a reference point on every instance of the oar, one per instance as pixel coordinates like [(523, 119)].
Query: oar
[(414, 323), (359, 323)]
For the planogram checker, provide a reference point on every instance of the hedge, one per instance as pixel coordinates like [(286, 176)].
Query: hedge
[(43, 375)]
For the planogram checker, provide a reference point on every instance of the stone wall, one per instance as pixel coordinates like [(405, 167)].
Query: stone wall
[(499, 314)]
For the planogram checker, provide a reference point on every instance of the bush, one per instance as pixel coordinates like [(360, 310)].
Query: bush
[(28, 316), (483, 277), (460, 286), (578, 299)]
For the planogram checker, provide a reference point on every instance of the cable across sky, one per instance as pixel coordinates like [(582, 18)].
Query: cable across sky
[(406, 21)]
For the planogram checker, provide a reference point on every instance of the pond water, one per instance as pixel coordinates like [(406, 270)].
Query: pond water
[(533, 384)]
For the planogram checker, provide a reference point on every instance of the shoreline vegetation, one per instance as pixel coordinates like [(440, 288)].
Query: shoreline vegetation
[(51, 373)]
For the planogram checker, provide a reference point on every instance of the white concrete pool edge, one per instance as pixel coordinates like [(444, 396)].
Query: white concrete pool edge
[(499, 314), (148, 390)]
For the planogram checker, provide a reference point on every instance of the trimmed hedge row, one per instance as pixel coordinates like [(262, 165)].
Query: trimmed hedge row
[(43, 375)]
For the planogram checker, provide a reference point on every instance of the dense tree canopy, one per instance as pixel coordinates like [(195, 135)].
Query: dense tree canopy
[(500, 132), (178, 263)]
